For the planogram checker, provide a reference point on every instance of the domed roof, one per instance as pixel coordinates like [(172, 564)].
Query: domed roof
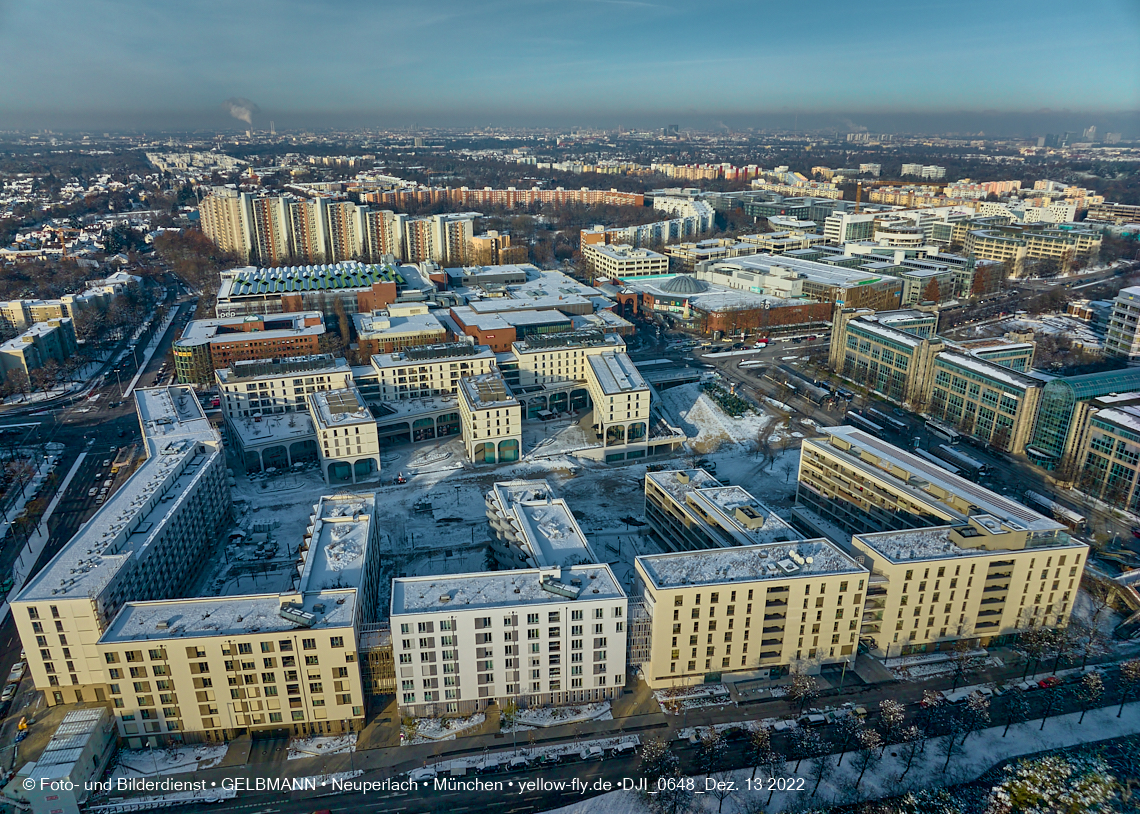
[(685, 284)]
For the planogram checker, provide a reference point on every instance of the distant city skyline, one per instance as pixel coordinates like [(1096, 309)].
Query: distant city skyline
[(1008, 68)]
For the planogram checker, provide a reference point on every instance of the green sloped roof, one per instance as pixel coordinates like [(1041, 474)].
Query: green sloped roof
[(1092, 385)]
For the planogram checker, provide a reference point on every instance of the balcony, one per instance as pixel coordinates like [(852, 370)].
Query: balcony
[(985, 625), (776, 603), (871, 627), (989, 613), (771, 642), (992, 588), (873, 617), (993, 600), (780, 616), (999, 575), (773, 629)]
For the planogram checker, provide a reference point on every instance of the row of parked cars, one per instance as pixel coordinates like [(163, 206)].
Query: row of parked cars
[(11, 685), (518, 763)]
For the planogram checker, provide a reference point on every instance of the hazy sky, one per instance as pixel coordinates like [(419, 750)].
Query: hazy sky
[(103, 63)]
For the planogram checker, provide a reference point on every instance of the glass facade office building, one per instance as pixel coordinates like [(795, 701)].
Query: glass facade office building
[(1062, 401)]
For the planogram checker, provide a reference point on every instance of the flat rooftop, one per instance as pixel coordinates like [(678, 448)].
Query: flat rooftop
[(443, 351), (339, 408), (497, 589), (330, 573), (251, 281), (487, 390), (774, 561), (622, 251), (873, 326), (285, 428), (254, 369), (916, 545), (616, 373), (736, 512), (545, 523), (585, 338), (922, 475), (377, 326), (232, 329), (819, 273), (990, 370), (179, 444)]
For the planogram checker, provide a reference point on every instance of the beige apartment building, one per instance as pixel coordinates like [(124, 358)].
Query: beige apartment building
[(982, 581), (215, 668), (763, 609), (260, 387), (491, 419), (145, 543), (621, 399), (427, 372), (347, 442)]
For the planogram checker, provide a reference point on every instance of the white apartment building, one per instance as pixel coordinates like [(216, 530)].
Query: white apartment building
[(621, 399), (762, 609), (528, 637), (1122, 338), (621, 260), (491, 419), (842, 227), (347, 441), (433, 370), (533, 528), (260, 387), (215, 668), (145, 543)]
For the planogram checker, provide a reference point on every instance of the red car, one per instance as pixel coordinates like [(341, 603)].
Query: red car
[(1049, 682)]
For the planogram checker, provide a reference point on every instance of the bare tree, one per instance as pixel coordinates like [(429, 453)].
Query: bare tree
[(913, 743), (803, 688), (1129, 682), (1089, 692), (869, 744), (1016, 710)]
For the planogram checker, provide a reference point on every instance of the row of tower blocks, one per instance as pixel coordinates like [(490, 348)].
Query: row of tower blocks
[(910, 558)]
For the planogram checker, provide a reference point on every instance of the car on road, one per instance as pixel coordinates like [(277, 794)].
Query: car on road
[(1049, 682), (422, 775), (17, 672), (107, 462), (92, 491), (8, 692), (812, 719)]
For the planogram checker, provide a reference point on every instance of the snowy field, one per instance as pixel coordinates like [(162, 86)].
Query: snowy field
[(709, 427), (168, 760)]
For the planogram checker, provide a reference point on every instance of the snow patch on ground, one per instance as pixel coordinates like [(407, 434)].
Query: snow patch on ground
[(169, 760), (432, 730), (554, 716), (707, 425), (318, 746)]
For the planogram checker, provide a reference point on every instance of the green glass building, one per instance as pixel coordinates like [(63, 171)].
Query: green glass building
[(1064, 402)]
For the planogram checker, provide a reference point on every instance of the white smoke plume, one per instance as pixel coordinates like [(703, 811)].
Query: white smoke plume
[(241, 108)]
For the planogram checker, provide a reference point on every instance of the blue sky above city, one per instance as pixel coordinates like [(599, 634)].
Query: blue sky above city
[(589, 62)]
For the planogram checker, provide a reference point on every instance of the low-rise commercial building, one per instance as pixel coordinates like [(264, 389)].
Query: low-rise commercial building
[(207, 345), (399, 326), (618, 261), (527, 637)]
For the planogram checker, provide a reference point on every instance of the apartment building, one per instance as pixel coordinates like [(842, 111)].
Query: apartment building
[(1117, 213), (347, 442), (146, 542), (426, 372), (761, 609), (397, 327), (683, 257), (260, 387), (441, 238), (43, 342), (1014, 244), (689, 510), (557, 359), (621, 400), (490, 418), (534, 529), (1122, 339), (215, 668), (494, 249), (983, 581), (617, 261), (223, 222), (207, 345), (527, 637), (851, 482)]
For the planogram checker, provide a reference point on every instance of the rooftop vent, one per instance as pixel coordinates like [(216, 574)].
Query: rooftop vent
[(297, 615)]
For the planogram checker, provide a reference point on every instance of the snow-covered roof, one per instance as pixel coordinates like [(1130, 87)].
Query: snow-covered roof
[(180, 442), (934, 543), (276, 326), (871, 326), (330, 572), (380, 325), (1127, 417), (544, 524), (921, 476), (616, 373), (272, 429), (773, 561), (486, 391), (990, 370), (339, 408), (729, 514), (503, 589), (257, 369)]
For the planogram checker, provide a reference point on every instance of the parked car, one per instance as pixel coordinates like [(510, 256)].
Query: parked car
[(8, 692), (625, 748), (812, 719), (592, 753), (422, 775), (1048, 682), (17, 672)]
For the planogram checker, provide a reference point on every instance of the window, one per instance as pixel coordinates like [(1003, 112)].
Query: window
[(336, 641)]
